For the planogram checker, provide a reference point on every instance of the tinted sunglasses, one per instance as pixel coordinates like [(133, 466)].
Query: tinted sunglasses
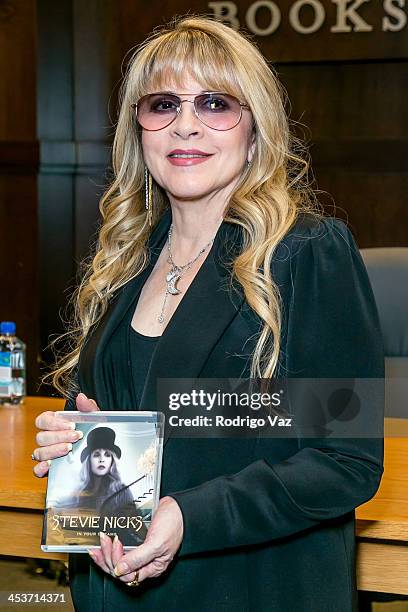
[(219, 111)]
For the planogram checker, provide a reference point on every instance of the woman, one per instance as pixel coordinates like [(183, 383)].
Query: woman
[(214, 262), (102, 488)]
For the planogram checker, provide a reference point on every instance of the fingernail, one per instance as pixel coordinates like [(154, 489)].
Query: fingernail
[(49, 461), (69, 446), (121, 568), (82, 394), (116, 539), (93, 401), (77, 435), (91, 554), (102, 536)]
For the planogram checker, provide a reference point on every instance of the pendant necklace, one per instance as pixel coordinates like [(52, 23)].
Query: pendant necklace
[(176, 272)]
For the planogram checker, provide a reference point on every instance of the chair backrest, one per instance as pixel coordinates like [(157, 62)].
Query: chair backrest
[(388, 272)]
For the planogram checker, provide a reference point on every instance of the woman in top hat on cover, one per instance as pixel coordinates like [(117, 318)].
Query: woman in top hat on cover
[(101, 488), (100, 478), (214, 261)]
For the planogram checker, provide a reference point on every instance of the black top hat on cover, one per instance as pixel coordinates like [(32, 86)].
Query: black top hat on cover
[(100, 437)]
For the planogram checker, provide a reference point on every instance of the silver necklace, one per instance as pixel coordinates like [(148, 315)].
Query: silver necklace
[(176, 272)]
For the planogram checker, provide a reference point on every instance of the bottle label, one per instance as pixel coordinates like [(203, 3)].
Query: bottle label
[(12, 382), (5, 359), (5, 374)]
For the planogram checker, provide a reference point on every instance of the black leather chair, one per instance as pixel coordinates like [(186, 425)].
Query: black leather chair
[(388, 272)]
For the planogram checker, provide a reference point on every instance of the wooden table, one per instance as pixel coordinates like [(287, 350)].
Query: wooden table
[(382, 523), (21, 493), (381, 528)]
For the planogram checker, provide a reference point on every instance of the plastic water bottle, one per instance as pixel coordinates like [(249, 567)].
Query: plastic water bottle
[(12, 365)]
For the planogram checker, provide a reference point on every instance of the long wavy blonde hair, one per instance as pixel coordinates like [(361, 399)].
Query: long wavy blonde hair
[(265, 202)]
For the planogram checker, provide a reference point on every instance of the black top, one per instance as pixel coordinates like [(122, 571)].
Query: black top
[(141, 352), (127, 361), (268, 522)]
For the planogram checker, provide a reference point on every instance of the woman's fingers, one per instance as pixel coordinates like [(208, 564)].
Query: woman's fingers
[(41, 469), (52, 451), (111, 552), (51, 422), (130, 577), (98, 557), (162, 542), (109, 555), (57, 435), (55, 439), (117, 554), (45, 438), (106, 548), (117, 550), (135, 559), (151, 570), (84, 404)]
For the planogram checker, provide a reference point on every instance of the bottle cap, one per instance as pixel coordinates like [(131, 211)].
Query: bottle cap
[(7, 327)]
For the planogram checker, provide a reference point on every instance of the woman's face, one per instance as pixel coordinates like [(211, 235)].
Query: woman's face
[(101, 461), (215, 176)]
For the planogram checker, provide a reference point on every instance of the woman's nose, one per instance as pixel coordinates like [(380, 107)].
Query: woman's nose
[(186, 122)]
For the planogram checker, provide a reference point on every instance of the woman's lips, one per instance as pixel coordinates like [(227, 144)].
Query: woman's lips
[(191, 160)]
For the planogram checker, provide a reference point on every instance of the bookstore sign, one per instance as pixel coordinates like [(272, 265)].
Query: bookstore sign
[(321, 29)]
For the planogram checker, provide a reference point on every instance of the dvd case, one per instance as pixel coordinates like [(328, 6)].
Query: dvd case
[(109, 482)]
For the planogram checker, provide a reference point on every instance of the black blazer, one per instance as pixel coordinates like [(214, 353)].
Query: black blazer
[(269, 523)]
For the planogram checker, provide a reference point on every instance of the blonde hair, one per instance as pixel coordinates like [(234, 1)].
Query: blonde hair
[(265, 202)]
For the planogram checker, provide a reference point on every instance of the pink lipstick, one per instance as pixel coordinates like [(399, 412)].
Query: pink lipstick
[(187, 157)]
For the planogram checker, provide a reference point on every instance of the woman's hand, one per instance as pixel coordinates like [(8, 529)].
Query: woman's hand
[(57, 435), (151, 558)]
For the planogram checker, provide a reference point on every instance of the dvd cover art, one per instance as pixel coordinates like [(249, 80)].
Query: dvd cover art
[(109, 482)]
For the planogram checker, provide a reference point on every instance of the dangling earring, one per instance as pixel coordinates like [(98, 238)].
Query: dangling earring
[(148, 194)]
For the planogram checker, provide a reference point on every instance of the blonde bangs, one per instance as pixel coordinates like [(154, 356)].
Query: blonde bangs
[(193, 53)]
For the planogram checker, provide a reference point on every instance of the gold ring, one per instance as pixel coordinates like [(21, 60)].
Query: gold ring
[(135, 581)]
